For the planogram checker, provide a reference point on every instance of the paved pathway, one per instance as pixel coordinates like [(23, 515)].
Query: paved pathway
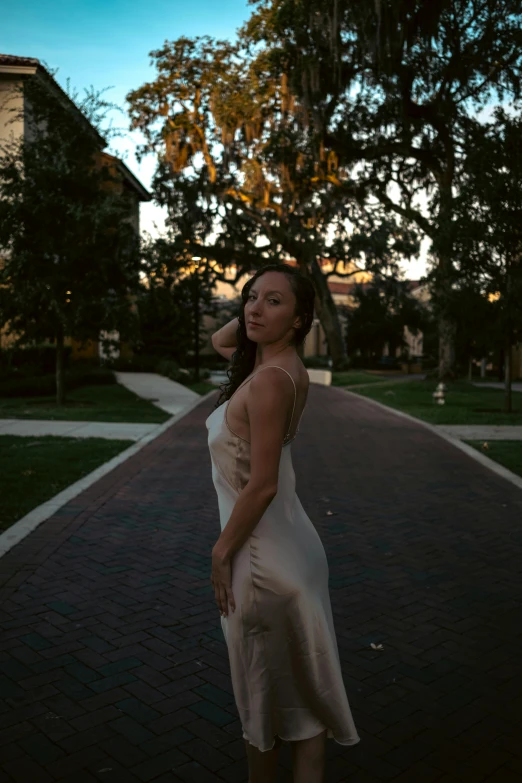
[(112, 662), (483, 432), (77, 429), (517, 387), (166, 394)]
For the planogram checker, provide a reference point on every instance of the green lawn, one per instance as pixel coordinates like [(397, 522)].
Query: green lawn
[(33, 470), (203, 387), (355, 377), (465, 403), (110, 402), (507, 452)]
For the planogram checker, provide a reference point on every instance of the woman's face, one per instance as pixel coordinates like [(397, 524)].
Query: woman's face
[(270, 309)]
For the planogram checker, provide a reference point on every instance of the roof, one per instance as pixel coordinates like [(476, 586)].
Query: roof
[(127, 174), (29, 66), (23, 62)]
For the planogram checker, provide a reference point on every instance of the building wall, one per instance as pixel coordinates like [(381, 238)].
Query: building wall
[(11, 109)]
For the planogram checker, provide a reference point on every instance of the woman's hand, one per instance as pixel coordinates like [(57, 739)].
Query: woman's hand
[(221, 579)]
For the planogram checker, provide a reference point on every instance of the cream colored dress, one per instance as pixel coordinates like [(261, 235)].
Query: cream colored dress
[(284, 660)]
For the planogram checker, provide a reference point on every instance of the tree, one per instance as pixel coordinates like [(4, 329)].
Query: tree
[(381, 312), (175, 294), (488, 226), (395, 85), (223, 121), (70, 252)]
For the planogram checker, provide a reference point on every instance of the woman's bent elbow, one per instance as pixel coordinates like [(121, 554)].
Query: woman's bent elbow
[(269, 493)]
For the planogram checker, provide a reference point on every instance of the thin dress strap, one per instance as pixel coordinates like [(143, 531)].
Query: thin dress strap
[(295, 391)]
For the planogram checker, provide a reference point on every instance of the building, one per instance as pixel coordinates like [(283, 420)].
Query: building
[(15, 113)]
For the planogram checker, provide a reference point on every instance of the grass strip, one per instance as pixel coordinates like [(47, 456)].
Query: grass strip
[(88, 403), (465, 403), (506, 452), (33, 470)]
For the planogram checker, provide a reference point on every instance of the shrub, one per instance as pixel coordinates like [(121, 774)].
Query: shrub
[(33, 359), (171, 369), (136, 363), (45, 385)]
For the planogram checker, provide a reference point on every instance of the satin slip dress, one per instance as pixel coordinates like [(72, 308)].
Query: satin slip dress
[(284, 660)]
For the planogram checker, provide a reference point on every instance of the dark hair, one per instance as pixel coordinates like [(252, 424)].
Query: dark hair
[(244, 357)]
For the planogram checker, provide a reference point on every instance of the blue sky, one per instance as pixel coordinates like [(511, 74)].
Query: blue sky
[(107, 44)]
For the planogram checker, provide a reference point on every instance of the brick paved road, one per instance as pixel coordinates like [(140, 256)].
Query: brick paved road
[(112, 663)]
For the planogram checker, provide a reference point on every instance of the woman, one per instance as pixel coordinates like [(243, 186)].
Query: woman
[(269, 568)]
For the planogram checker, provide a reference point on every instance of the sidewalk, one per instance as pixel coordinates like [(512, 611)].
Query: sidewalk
[(77, 429), (482, 431), (516, 387), (113, 665), (166, 394)]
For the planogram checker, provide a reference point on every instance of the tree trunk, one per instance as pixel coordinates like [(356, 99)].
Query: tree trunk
[(446, 348), (60, 386), (470, 369), (483, 368), (196, 325), (329, 318), (444, 252), (507, 378)]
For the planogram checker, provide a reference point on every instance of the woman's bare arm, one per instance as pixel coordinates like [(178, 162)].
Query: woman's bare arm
[(268, 405), (269, 402), (224, 340)]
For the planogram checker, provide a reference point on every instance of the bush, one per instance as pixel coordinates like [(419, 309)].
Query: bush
[(171, 369), (137, 363), (45, 385), (213, 360), (33, 359)]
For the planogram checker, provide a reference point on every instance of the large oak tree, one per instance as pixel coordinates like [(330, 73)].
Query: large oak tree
[(224, 121), (395, 85)]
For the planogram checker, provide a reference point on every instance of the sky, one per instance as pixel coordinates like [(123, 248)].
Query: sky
[(101, 44)]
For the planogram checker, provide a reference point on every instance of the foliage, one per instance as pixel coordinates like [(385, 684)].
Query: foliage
[(33, 359), (381, 311), (488, 230), (394, 86), (231, 145), (44, 384), (171, 284), (71, 255)]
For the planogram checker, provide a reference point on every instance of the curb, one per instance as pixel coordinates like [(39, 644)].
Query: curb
[(22, 527), (495, 467)]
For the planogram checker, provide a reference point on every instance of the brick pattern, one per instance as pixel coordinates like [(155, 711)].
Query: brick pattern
[(112, 661)]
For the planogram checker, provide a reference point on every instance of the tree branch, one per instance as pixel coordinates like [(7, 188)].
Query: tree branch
[(407, 212)]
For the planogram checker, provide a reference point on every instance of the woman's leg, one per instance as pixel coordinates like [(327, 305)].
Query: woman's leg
[(262, 767), (308, 759)]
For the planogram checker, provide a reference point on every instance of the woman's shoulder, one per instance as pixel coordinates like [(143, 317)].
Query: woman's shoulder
[(298, 373), (296, 370)]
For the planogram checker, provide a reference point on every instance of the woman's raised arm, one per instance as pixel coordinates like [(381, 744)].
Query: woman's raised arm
[(224, 340)]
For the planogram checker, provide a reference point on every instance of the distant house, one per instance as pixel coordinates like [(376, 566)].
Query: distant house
[(14, 124)]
